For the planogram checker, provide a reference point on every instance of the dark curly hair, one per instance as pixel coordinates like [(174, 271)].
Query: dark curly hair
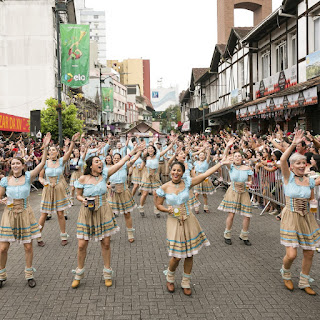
[(87, 171)]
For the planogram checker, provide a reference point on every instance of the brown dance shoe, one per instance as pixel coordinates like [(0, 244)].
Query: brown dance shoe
[(41, 244), (170, 287), (288, 284), (64, 242), (309, 290), (187, 291)]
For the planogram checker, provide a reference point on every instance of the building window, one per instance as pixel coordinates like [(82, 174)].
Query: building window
[(316, 34), (281, 55), (241, 73), (265, 65), (293, 50)]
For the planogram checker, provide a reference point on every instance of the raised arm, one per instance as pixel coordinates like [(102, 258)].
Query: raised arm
[(285, 156), (113, 169), (40, 166), (136, 157), (67, 155), (201, 177), (162, 153)]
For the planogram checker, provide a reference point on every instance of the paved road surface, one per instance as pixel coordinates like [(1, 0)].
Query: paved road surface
[(229, 282)]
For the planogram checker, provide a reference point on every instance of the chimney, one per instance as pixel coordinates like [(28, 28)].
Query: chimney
[(260, 8)]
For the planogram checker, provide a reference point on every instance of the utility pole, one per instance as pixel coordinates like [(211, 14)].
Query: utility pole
[(59, 6)]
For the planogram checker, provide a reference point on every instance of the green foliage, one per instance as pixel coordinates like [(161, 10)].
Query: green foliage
[(171, 114), (49, 119)]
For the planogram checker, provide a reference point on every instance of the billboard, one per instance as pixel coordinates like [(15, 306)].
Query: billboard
[(313, 65), (13, 123), (75, 53)]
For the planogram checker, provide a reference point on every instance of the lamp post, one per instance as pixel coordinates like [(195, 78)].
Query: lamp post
[(60, 6), (204, 105)]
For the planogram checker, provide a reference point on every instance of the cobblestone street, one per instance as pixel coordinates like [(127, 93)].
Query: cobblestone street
[(228, 282)]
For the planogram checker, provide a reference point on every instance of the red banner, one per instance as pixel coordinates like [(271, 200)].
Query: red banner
[(13, 123)]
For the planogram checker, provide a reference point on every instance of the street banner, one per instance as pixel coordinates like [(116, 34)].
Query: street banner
[(13, 123), (107, 99), (75, 53)]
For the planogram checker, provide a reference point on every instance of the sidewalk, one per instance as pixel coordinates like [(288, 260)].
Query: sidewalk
[(228, 282)]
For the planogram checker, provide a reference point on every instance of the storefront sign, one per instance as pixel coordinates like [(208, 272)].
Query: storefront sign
[(277, 82), (273, 105), (13, 123), (313, 65)]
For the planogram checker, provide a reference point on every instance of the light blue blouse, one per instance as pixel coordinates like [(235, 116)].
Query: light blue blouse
[(182, 197), (17, 192), (293, 190), (120, 176), (237, 175), (75, 162), (92, 190), (153, 163), (92, 152), (54, 172), (201, 166)]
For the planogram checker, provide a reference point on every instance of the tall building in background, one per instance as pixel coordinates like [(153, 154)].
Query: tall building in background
[(162, 98), (97, 22), (133, 71)]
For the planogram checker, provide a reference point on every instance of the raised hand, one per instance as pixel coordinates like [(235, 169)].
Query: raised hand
[(298, 137), (76, 136), (46, 139)]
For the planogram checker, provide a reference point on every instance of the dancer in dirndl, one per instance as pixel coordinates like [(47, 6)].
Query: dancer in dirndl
[(120, 197), (55, 194), (18, 223), (206, 186), (96, 219), (150, 180), (185, 236), (237, 199), (298, 227)]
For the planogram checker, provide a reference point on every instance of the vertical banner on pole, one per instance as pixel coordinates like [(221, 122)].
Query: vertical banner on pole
[(107, 99), (75, 53)]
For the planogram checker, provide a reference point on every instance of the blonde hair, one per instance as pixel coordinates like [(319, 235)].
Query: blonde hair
[(296, 157)]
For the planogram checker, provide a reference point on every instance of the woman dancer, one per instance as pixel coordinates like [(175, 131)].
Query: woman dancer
[(96, 220), (150, 181), (55, 198), (237, 199), (120, 197), (136, 175), (18, 222), (182, 157), (185, 236), (298, 226), (205, 187), (76, 166)]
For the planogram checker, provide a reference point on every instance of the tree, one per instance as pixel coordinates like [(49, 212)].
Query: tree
[(49, 119), (172, 114)]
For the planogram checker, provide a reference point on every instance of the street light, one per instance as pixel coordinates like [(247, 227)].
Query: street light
[(204, 105), (60, 6)]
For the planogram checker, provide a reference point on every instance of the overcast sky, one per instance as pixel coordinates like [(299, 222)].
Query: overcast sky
[(176, 35)]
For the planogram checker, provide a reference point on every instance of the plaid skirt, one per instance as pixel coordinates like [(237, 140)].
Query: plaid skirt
[(205, 187)]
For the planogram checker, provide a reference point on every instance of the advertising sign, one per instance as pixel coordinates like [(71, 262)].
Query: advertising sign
[(277, 82), (107, 99), (313, 65), (13, 123), (75, 53)]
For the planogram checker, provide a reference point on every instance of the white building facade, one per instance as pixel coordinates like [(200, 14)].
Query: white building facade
[(28, 60)]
